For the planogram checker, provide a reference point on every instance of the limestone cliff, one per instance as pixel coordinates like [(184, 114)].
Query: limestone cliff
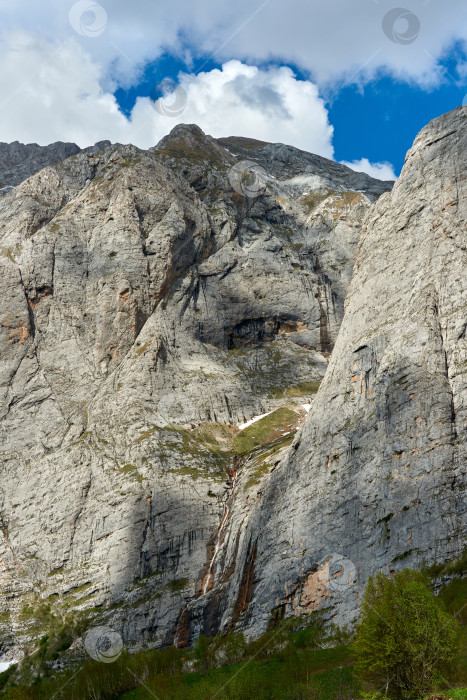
[(149, 305), (154, 300), (376, 478)]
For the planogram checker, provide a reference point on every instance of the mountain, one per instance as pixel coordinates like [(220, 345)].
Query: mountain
[(153, 301)]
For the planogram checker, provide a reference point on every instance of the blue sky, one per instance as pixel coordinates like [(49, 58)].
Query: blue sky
[(351, 80), (382, 119), (379, 119)]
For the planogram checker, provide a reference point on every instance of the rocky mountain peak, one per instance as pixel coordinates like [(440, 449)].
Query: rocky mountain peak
[(184, 131)]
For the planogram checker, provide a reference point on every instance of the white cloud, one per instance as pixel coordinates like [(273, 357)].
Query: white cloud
[(336, 40), (269, 104), (381, 171), (56, 83), (52, 92)]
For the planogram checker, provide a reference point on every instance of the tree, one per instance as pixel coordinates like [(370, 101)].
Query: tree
[(234, 648), (404, 638), (205, 652)]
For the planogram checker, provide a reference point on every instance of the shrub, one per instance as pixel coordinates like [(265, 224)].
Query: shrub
[(404, 638)]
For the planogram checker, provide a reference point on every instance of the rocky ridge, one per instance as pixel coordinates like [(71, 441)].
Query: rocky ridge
[(18, 161)]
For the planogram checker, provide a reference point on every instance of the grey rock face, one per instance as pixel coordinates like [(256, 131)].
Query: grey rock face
[(147, 309), (376, 478), (18, 161)]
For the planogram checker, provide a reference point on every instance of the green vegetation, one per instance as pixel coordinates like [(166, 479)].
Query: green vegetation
[(265, 431), (128, 161), (187, 153), (127, 468), (344, 202), (404, 555), (339, 202), (286, 662), (238, 352), (405, 634), (205, 452), (131, 469), (257, 474), (405, 639), (454, 597), (178, 584), (455, 567), (52, 632)]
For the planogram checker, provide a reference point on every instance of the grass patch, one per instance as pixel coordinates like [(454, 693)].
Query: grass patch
[(265, 431), (289, 662), (283, 663), (257, 475), (128, 468), (147, 433), (454, 596), (178, 584), (131, 469)]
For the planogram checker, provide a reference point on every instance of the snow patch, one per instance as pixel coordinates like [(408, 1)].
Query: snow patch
[(4, 665), (242, 426)]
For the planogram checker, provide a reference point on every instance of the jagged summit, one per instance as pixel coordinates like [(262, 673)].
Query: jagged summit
[(279, 160)]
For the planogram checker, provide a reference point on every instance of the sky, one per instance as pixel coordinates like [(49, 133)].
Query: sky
[(352, 80)]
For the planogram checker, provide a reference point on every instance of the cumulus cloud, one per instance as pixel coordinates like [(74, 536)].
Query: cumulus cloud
[(54, 92), (381, 171), (336, 40), (51, 92), (61, 62)]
